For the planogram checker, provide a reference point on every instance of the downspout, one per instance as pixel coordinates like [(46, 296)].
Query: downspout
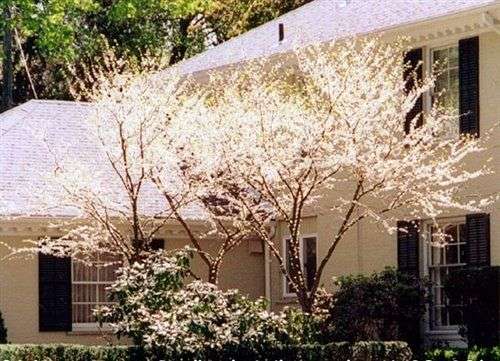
[(267, 264)]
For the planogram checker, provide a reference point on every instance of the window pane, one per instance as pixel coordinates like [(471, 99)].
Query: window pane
[(451, 233), (452, 254), (446, 311), (89, 288), (84, 293), (440, 56), (463, 239), (83, 313), (108, 274), (103, 295), (445, 67)]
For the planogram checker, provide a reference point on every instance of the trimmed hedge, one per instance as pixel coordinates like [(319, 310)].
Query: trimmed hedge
[(341, 351), (473, 354)]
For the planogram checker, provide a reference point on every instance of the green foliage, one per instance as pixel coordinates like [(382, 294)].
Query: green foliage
[(159, 307), (382, 306), (443, 354), (472, 288), (457, 354), (363, 351), (484, 354), (60, 34), (3, 330)]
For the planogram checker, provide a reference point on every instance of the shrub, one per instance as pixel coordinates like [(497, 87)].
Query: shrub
[(69, 353), (473, 354), (446, 354), (364, 351), (472, 288), (383, 306), (484, 354), (159, 309)]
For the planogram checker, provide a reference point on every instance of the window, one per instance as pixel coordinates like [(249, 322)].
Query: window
[(308, 261), (445, 66), (89, 283), (443, 258)]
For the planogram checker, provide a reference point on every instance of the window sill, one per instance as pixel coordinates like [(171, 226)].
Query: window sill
[(448, 333), (89, 332), (89, 329)]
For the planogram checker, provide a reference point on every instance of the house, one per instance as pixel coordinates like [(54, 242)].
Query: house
[(463, 33)]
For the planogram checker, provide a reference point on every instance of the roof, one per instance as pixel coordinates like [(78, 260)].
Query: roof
[(30, 132), (323, 21), (32, 135)]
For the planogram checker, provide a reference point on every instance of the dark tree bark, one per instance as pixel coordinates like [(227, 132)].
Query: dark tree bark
[(179, 50), (7, 88)]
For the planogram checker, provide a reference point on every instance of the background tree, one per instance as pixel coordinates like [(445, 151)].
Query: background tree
[(55, 35), (326, 136)]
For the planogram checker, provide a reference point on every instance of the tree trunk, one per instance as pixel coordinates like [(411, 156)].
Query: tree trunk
[(213, 273), (7, 90), (179, 50)]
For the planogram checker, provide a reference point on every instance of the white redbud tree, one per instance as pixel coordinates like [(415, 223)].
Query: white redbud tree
[(132, 184), (323, 132)]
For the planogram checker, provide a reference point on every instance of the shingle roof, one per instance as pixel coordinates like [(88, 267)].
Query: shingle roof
[(26, 130), (32, 135), (326, 20)]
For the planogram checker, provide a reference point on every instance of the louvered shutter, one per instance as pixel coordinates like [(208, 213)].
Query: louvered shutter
[(468, 73), (408, 249), (477, 234), (54, 274), (413, 58)]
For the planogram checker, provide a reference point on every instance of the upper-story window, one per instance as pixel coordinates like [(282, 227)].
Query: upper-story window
[(444, 62), (441, 260), (308, 261)]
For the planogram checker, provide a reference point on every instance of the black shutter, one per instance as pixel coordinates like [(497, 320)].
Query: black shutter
[(408, 250), (477, 234), (468, 62), (157, 244), (413, 59), (54, 290)]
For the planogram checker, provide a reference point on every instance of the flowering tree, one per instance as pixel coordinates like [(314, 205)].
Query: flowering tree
[(325, 133), (107, 188), (130, 183)]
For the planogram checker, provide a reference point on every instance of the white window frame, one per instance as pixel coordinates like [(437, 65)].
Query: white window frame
[(87, 326), (287, 293), (441, 332), (428, 62)]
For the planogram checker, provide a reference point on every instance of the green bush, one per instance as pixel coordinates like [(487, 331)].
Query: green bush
[(342, 351), (449, 354), (383, 306), (69, 352), (473, 354), (472, 288)]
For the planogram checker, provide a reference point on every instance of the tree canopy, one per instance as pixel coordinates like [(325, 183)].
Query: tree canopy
[(56, 35)]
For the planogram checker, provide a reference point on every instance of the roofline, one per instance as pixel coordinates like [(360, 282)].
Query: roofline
[(472, 10), (57, 101), (452, 15)]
